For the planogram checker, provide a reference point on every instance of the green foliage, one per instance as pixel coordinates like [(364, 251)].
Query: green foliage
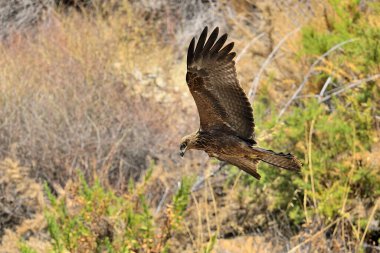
[(332, 137), (97, 219), (26, 249), (347, 22), (210, 245), (181, 198), (336, 173)]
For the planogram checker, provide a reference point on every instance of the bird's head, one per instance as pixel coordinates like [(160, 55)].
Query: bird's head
[(187, 142)]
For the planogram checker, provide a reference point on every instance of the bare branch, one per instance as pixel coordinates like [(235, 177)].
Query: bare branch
[(198, 184), (311, 70), (248, 46), (255, 83), (162, 201), (337, 91), (324, 88), (350, 86)]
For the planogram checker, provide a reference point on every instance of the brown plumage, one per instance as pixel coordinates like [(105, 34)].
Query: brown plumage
[(226, 118)]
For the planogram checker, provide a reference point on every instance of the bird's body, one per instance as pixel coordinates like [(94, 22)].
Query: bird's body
[(226, 118), (220, 145)]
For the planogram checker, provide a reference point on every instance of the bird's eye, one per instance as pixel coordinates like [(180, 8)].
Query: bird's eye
[(183, 145)]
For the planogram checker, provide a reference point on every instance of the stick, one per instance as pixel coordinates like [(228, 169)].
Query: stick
[(255, 83), (248, 46), (369, 221), (313, 236), (349, 86), (202, 179), (162, 201), (311, 70), (324, 89)]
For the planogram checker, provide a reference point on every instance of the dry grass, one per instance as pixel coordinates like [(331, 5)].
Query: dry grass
[(89, 94), (80, 94), (16, 15), (22, 204)]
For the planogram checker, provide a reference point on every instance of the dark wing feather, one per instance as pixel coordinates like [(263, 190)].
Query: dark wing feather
[(211, 77), (248, 165)]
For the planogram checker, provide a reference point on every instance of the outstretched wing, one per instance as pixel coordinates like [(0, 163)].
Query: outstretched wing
[(211, 77)]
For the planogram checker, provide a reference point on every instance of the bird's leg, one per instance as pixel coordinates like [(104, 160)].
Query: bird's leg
[(202, 179)]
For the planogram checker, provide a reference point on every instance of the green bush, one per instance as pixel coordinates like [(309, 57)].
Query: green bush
[(332, 137), (95, 219)]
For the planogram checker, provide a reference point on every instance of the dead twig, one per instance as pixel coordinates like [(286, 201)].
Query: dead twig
[(162, 201), (248, 46), (311, 70), (319, 233), (369, 221), (337, 91), (255, 83), (202, 179), (324, 89), (349, 86)]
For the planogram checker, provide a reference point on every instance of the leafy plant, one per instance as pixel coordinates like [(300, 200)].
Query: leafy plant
[(97, 219), (334, 136)]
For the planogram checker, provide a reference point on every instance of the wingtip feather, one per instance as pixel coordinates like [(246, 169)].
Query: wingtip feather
[(211, 47), (200, 44), (190, 52), (218, 45), (230, 56), (210, 42), (225, 51)]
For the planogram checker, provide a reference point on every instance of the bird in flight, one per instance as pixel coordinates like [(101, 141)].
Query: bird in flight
[(226, 119)]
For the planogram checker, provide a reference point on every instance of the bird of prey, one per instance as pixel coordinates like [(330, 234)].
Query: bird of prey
[(226, 120)]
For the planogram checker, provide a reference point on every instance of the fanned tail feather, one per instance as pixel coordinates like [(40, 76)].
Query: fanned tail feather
[(285, 161)]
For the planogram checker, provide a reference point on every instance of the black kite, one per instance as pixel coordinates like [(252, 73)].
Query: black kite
[(226, 120)]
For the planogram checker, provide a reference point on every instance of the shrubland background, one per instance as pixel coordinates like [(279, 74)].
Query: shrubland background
[(94, 102)]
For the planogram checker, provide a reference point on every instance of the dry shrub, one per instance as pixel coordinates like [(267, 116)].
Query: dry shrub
[(21, 205), (30, 233), (85, 94), (16, 15)]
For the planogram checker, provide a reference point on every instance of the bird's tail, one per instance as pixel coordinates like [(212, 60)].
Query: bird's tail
[(285, 161)]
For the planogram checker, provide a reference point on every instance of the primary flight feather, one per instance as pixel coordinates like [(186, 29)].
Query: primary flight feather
[(226, 118)]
